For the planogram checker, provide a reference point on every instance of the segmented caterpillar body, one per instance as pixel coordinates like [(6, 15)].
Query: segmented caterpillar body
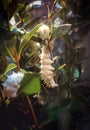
[(47, 70)]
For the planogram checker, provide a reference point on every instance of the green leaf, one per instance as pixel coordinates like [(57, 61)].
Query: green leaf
[(28, 37), (30, 84), (11, 51), (45, 122), (80, 53), (56, 108), (62, 66), (8, 68), (76, 73), (60, 31), (63, 4), (31, 23), (57, 113), (5, 35), (19, 7), (14, 8)]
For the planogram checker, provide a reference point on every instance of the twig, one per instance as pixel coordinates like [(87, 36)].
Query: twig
[(32, 111), (28, 98)]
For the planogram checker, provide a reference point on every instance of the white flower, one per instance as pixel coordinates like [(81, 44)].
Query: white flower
[(12, 84), (44, 31), (47, 69)]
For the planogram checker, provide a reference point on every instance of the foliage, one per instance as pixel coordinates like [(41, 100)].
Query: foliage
[(29, 85), (20, 48)]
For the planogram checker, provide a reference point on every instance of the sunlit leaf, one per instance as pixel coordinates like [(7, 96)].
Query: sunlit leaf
[(29, 85), (34, 21), (11, 51), (62, 66), (19, 7), (28, 7), (8, 68), (60, 31), (55, 1), (28, 37), (63, 3), (67, 39), (14, 8)]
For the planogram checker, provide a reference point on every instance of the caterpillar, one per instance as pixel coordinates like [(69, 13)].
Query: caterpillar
[(47, 70)]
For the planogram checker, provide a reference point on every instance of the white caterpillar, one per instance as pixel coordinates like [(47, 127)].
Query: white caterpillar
[(47, 70)]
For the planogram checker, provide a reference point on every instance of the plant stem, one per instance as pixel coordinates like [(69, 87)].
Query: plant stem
[(18, 66), (17, 60), (32, 111), (51, 54), (28, 98), (1, 94), (50, 13)]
